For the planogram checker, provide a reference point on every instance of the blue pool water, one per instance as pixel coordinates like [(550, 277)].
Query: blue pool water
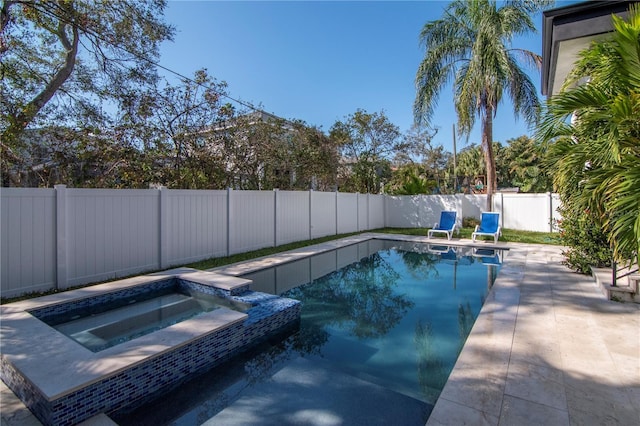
[(391, 314)]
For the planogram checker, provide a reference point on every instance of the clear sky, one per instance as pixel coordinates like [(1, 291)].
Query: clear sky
[(320, 61)]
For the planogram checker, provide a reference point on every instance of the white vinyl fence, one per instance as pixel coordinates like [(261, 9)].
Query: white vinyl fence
[(525, 212), (62, 237)]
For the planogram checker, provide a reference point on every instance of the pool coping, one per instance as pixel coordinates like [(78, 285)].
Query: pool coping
[(76, 366), (539, 351)]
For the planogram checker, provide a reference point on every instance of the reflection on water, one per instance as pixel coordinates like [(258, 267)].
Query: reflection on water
[(392, 313), (398, 308)]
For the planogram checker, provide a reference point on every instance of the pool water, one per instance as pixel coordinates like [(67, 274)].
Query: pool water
[(127, 318), (397, 319)]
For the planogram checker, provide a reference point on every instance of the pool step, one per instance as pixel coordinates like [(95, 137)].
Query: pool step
[(98, 331), (232, 284)]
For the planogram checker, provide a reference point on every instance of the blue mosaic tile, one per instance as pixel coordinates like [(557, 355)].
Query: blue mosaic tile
[(134, 386)]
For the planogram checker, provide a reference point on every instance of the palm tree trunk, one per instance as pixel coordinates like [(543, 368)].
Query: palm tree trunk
[(487, 149)]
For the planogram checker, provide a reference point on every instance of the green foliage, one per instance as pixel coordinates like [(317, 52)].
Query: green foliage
[(470, 222), (471, 47), (366, 142), (62, 59), (595, 157), (407, 180), (588, 245), (521, 163)]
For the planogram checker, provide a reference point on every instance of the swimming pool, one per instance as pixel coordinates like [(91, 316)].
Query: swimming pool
[(387, 313)]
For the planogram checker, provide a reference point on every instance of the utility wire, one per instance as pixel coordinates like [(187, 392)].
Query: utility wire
[(154, 63)]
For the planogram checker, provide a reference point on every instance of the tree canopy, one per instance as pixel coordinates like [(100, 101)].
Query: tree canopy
[(471, 47), (61, 61)]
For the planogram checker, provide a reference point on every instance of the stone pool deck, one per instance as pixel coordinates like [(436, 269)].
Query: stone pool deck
[(547, 348)]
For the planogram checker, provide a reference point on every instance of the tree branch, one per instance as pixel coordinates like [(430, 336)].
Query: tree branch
[(28, 113)]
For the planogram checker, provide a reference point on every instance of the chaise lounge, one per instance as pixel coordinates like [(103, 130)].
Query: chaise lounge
[(446, 225), (489, 226)]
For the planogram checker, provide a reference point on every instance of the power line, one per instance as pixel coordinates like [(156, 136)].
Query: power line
[(154, 63)]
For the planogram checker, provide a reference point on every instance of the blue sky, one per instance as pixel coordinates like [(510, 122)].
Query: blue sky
[(320, 61)]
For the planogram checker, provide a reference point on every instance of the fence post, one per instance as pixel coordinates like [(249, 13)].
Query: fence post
[(229, 221), (61, 237), (337, 213), (550, 198), (310, 213), (358, 211), (502, 210), (368, 212), (276, 196), (164, 226), (384, 210)]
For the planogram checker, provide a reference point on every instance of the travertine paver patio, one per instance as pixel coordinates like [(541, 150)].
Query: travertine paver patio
[(547, 348)]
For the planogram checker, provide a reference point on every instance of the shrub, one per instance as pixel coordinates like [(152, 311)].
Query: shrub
[(588, 245), (470, 222)]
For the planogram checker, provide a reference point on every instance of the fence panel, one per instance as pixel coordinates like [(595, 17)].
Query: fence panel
[(472, 205), (323, 214), (376, 211), (292, 216), (56, 238), (347, 217), (402, 211), (363, 212), (111, 233), (527, 212), (251, 220), (432, 205), (27, 240), (194, 225)]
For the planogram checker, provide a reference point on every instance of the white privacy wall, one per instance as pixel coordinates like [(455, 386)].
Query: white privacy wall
[(323, 214), (376, 211), (27, 240), (347, 213), (194, 225), (251, 220), (109, 233), (528, 212), (57, 238), (293, 217)]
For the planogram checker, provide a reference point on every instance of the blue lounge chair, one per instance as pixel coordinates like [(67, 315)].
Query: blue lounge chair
[(489, 226), (446, 225), (488, 256)]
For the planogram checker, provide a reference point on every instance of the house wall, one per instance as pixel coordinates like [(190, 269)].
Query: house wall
[(63, 237)]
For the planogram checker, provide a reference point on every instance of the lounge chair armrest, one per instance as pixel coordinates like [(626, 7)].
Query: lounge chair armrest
[(435, 225), (476, 230)]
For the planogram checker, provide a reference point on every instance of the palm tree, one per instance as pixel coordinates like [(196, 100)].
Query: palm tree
[(471, 46), (596, 155)]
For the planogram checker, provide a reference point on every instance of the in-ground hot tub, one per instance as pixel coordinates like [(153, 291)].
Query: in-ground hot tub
[(119, 319), (155, 334)]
